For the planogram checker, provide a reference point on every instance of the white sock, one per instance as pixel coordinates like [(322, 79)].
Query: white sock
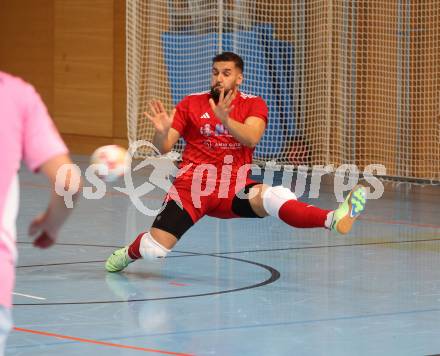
[(151, 249), (329, 220)]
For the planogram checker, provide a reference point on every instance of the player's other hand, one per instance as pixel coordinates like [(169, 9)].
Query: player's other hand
[(159, 117), (45, 234), (223, 107)]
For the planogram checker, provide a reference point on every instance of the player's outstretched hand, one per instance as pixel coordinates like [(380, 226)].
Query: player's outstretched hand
[(159, 117), (40, 228), (224, 107)]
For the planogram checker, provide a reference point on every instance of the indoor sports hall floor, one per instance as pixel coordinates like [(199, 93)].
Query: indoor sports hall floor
[(232, 287)]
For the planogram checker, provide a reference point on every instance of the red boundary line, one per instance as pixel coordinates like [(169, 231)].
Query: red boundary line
[(102, 343)]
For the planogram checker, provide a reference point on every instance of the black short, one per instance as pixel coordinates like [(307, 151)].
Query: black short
[(177, 221), (242, 207), (173, 219)]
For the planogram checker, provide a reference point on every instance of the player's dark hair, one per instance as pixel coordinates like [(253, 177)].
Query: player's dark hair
[(229, 57)]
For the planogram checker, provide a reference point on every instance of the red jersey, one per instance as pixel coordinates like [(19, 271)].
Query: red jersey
[(207, 140)]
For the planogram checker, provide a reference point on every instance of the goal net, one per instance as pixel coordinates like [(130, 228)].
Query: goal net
[(346, 82)]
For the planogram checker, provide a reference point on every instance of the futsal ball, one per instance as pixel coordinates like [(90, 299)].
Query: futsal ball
[(113, 157)]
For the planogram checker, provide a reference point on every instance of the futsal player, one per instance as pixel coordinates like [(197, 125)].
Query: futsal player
[(221, 128), (26, 133)]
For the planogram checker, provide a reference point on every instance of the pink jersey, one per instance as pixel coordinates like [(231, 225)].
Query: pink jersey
[(26, 133), (207, 140)]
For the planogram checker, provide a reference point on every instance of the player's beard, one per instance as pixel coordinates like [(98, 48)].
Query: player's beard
[(215, 93)]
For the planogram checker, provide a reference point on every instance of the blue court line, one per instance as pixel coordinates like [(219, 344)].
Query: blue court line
[(253, 326)]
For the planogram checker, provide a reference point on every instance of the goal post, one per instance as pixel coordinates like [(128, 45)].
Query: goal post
[(346, 82)]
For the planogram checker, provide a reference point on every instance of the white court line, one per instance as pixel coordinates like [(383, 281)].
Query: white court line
[(29, 296)]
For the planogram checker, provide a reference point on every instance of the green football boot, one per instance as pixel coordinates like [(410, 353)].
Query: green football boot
[(118, 260), (347, 213)]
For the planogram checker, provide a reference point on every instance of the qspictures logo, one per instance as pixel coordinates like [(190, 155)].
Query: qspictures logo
[(208, 179)]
